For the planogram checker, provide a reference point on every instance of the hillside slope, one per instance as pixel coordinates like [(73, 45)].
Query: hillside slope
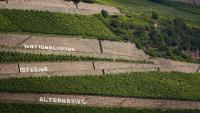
[(161, 27)]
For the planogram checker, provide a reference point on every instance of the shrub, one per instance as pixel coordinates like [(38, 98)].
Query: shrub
[(104, 13), (116, 23), (155, 15)]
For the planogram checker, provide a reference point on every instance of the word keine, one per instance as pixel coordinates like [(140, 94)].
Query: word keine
[(33, 69)]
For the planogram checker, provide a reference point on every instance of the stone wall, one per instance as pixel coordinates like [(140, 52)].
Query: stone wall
[(170, 65), (59, 6), (69, 68), (71, 45), (11, 40), (88, 47), (122, 49), (9, 69), (98, 101)]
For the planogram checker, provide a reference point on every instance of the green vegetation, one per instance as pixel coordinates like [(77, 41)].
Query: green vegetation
[(141, 85), (162, 28), (12, 57), (165, 8), (31, 108), (163, 38), (53, 23)]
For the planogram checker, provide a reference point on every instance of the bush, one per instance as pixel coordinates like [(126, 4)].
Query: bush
[(155, 15), (104, 13), (116, 23)]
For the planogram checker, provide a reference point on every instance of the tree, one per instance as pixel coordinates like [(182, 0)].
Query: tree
[(104, 13)]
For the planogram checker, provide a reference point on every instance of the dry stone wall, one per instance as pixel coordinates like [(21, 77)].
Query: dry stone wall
[(98, 101), (69, 68), (122, 49), (11, 40), (170, 65), (72, 45), (9, 69), (90, 47), (59, 6), (111, 68)]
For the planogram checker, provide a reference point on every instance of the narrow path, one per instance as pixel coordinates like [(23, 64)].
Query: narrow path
[(99, 101)]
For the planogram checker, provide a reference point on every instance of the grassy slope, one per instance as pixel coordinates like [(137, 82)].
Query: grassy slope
[(53, 23), (142, 85), (145, 7), (31, 108)]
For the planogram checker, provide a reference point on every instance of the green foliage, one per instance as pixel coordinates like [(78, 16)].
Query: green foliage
[(35, 108), (104, 13), (168, 39), (53, 23), (165, 8), (12, 57), (152, 52), (115, 23), (141, 85), (155, 15)]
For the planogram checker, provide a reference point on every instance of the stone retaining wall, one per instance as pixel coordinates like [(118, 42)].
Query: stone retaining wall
[(9, 69), (123, 49), (170, 65), (97, 101), (72, 45), (69, 68), (11, 40), (58, 6)]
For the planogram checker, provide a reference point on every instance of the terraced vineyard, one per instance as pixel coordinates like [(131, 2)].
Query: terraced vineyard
[(81, 62), (53, 23), (13, 57), (19, 108), (142, 85)]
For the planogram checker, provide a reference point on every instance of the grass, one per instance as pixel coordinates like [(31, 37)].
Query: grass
[(31, 108), (13, 57), (167, 9), (141, 85), (53, 23)]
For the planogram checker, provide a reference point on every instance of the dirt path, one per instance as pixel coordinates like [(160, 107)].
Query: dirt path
[(99, 101)]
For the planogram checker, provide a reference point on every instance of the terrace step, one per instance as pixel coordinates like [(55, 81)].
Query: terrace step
[(97, 101), (34, 69), (58, 6), (71, 45)]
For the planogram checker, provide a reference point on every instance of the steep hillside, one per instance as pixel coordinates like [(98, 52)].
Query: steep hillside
[(161, 27)]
